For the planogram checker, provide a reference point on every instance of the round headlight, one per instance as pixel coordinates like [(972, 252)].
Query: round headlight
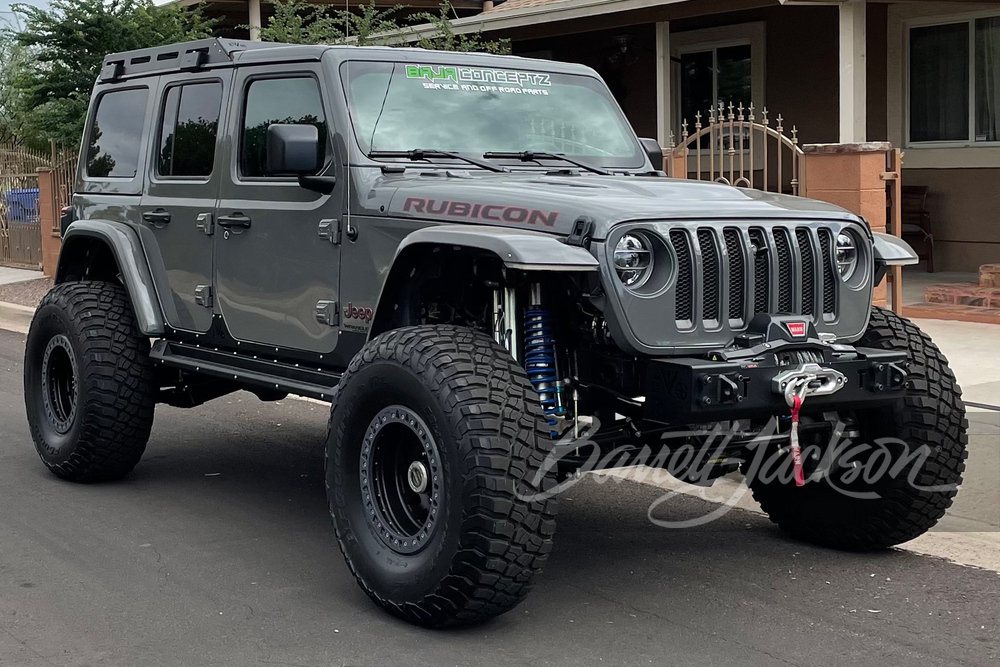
[(633, 259), (847, 255)]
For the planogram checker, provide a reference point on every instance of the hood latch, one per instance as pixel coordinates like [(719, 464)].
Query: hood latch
[(583, 232)]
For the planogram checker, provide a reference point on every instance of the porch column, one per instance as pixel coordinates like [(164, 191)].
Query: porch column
[(663, 106), (853, 78), (254, 20)]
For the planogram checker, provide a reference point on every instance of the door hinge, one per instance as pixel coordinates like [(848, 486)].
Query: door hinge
[(329, 230), (206, 223), (203, 295), (327, 313)]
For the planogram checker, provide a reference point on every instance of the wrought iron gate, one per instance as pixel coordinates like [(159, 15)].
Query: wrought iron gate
[(736, 149), (20, 222)]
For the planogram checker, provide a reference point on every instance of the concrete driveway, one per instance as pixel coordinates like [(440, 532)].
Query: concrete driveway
[(218, 551)]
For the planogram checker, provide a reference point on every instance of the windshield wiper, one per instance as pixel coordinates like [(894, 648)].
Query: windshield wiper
[(424, 153), (533, 156)]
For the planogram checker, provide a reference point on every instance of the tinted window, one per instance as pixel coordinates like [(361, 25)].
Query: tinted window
[(287, 101), (188, 130), (113, 149)]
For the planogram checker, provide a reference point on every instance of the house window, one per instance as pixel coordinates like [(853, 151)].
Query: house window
[(713, 76), (723, 64), (954, 82)]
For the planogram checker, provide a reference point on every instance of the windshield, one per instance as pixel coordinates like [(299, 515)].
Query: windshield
[(474, 110)]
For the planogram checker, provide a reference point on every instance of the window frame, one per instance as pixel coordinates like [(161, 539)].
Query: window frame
[(750, 34), (240, 177), (155, 174), (95, 107), (968, 18)]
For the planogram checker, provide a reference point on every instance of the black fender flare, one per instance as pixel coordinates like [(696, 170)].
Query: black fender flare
[(124, 244), (519, 249)]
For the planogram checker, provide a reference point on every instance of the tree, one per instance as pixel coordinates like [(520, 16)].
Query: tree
[(12, 55), (65, 45), (443, 38), (298, 22)]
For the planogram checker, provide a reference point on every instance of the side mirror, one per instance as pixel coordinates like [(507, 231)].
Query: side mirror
[(292, 150), (653, 152)]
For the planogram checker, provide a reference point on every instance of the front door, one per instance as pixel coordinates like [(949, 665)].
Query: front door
[(183, 189), (276, 274)]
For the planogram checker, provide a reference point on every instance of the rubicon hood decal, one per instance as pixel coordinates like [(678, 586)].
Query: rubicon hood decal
[(476, 211)]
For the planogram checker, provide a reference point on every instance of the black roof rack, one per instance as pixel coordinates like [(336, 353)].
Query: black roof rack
[(176, 57)]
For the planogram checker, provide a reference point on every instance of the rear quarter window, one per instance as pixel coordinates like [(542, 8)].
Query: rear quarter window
[(115, 135), (188, 130)]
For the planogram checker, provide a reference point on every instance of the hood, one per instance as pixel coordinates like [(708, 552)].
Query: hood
[(553, 202)]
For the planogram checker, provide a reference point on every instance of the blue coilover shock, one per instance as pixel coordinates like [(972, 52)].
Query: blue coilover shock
[(540, 362)]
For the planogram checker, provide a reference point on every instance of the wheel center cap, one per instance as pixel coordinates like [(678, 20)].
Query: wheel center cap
[(416, 476)]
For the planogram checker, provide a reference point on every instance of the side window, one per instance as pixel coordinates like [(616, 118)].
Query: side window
[(114, 142), (188, 129), (288, 101)]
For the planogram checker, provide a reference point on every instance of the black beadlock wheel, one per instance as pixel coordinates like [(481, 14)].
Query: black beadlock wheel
[(922, 466), (435, 444), (89, 386)]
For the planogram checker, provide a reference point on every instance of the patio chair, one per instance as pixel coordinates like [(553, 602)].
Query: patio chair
[(916, 222)]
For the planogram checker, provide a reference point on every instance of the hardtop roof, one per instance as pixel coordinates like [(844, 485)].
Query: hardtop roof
[(218, 52)]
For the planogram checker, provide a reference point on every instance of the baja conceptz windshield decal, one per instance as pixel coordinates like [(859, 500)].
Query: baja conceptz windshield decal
[(491, 212), (479, 79)]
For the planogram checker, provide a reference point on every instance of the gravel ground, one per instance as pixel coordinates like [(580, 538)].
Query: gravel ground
[(26, 293)]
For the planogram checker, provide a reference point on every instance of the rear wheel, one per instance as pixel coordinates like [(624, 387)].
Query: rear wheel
[(435, 444), (907, 469), (89, 386)]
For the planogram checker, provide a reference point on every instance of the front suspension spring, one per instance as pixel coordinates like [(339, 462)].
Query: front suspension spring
[(540, 362)]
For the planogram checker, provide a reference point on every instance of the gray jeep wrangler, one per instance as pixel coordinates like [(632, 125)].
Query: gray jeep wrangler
[(475, 260)]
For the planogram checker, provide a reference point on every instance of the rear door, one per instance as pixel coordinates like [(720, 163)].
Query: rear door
[(182, 191), (277, 266)]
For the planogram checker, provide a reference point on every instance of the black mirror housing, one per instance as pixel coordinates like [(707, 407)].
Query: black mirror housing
[(292, 150), (653, 152)]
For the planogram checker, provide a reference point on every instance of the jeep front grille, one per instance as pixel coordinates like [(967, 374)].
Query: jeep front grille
[(829, 272), (684, 306), (710, 273), (740, 272), (761, 271), (785, 278)]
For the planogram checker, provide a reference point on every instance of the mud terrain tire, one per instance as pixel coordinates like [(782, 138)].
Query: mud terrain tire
[(931, 414), (468, 412), (89, 385)]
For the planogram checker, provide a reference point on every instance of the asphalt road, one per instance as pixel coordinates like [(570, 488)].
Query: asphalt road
[(218, 550)]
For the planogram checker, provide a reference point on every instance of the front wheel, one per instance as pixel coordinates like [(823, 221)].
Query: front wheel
[(916, 449), (435, 445)]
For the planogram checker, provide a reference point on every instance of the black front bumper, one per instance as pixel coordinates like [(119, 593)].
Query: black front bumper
[(736, 383)]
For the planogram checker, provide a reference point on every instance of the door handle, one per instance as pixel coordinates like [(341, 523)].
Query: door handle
[(157, 217), (237, 220)]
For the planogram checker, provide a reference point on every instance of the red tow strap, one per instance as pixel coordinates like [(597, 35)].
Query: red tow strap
[(800, 479)]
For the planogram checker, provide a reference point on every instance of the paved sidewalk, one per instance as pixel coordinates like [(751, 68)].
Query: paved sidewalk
[(973, 352), (9, 275)]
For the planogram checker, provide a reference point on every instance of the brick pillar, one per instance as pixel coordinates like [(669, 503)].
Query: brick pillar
[(49, 217), (850, 175), (676, 164)]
